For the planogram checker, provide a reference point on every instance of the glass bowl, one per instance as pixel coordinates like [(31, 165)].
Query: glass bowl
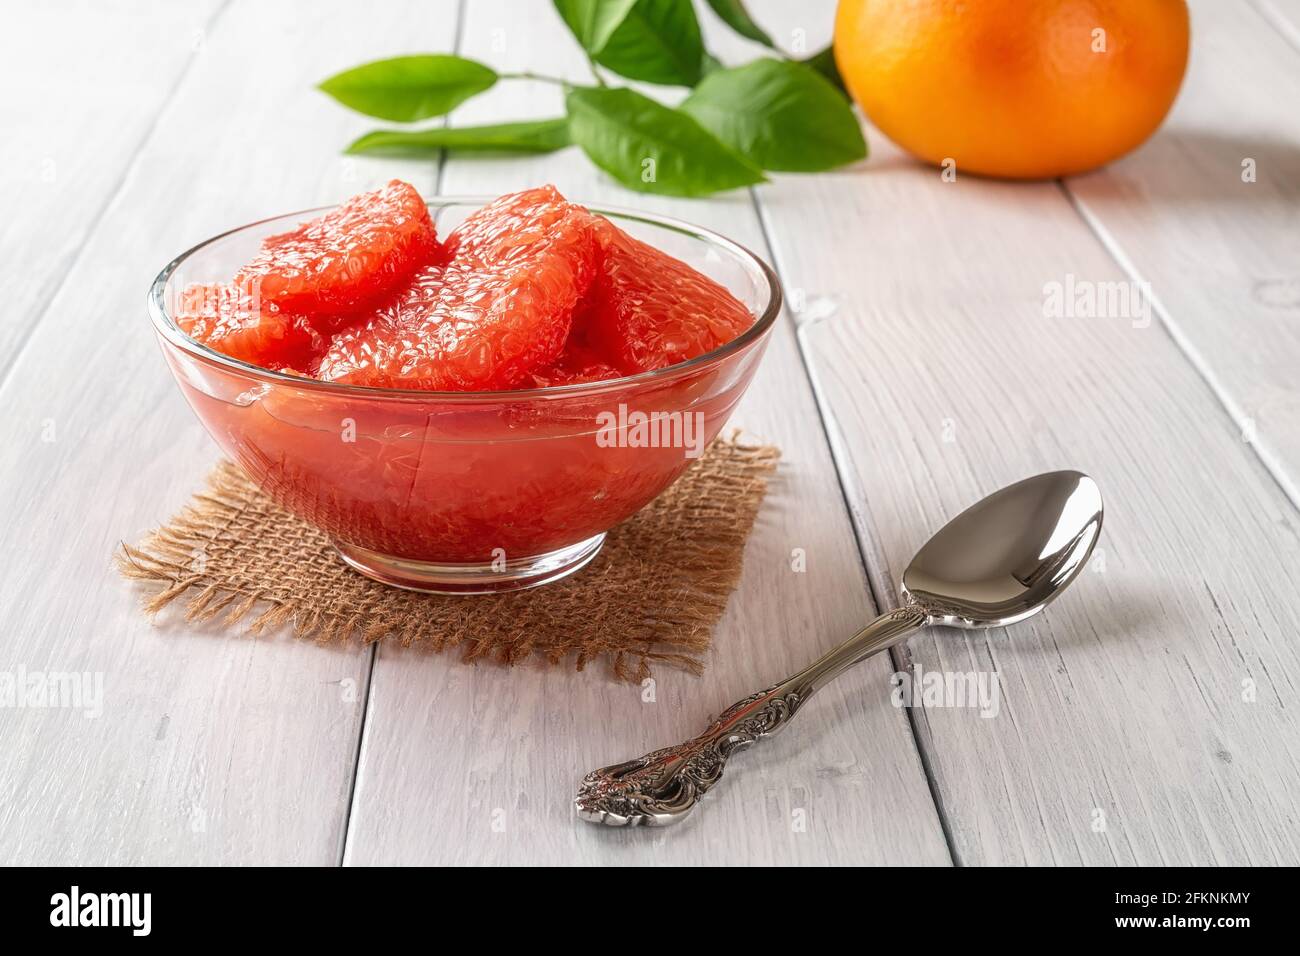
[(463, 492)]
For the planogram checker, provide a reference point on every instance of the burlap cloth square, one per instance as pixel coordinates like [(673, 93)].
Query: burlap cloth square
[(652, 595)]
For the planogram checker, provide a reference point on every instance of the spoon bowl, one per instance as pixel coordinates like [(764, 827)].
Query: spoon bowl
[(1006, 557)]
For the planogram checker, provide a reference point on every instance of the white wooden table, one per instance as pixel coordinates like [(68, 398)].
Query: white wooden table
[(1150, 717)]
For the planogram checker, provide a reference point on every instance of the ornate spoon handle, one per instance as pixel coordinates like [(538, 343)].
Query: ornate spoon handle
[(662, 787)]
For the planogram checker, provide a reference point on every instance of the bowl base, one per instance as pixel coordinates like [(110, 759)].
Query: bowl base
[(487, 577)]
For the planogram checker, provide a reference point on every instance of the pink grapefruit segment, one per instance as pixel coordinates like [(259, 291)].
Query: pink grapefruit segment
[(648, 310), (353, 255), (231, 320), (574, 365), (501, 307), (529, 291)]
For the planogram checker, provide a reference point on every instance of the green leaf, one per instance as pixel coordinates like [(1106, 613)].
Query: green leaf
[(648, 147), (593, 21), (540, 136), (658, 41), (824, 63), (409, 88), (734, 15), (710, 64), (781, 115)]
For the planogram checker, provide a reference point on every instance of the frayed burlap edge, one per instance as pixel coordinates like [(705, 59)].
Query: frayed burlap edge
[(652, 596)]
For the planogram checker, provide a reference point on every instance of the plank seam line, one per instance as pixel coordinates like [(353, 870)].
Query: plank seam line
[(845, 478), (15, 356), (346, 843), (356, 756), (1263, 452)]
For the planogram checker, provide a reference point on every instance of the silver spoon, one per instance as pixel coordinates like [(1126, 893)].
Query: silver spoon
[(998, 562)]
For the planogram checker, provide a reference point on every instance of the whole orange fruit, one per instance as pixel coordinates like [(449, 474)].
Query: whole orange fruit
[(1024, 89)]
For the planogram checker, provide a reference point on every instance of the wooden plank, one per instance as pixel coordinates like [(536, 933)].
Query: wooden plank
[(1145, 718), (1221, 253), (479, 764), (211, 747), (75, 115)]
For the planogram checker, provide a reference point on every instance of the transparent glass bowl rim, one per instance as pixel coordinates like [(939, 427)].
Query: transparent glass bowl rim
[(168, 329)]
